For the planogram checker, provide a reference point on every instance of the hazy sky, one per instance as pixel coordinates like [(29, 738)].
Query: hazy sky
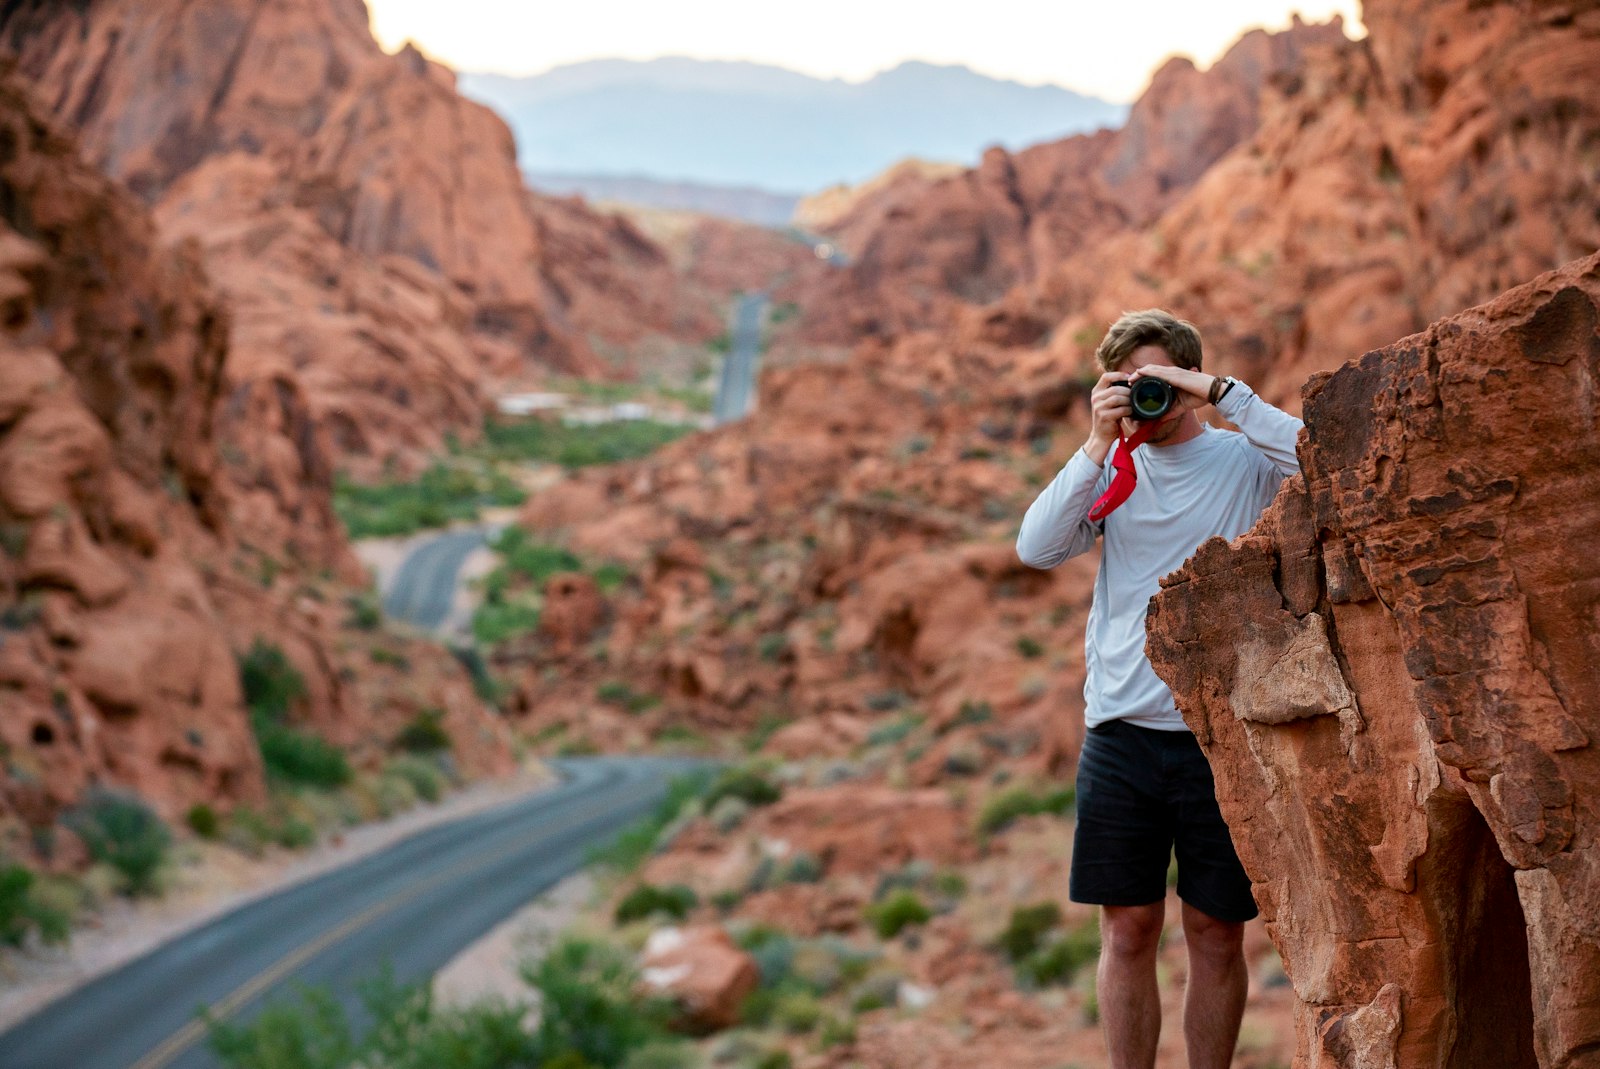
[(1107, 48)]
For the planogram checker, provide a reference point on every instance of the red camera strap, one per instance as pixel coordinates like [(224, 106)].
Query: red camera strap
[(1123, 482)]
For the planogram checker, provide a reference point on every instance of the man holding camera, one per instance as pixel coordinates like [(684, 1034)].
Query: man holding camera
[(1144, 787)]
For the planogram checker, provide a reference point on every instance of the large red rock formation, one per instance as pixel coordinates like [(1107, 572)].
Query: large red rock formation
[(132, 566), (1393, 676), (1393, 181), (922, 247), (404, 259)]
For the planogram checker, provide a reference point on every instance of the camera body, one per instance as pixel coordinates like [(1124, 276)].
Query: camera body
[(1151, 398)]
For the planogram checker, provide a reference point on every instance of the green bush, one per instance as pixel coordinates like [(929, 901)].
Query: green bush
[(1029, 648), (22, 911), (450, 490), (1027, 927), (534, 561), (126, 834), (617, 693), (424, 733), (1059, 961), (250, 830), (589, 1004), (300, 758), (575, 447), (746, 784), (203, 821), (772, 646), (423, 776), (894, 913), (270, 683), (406, 1031), (494, 622), (1003, 808), (676, 901)]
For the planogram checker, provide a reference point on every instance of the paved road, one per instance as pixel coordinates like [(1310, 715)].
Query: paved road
[(425, 585), (736, 389), (414, 905)]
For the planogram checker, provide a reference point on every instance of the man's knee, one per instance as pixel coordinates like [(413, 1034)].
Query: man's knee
[(1217, 940), (1131, 931)]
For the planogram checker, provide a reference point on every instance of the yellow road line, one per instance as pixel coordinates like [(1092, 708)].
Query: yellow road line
[(185, 1037)]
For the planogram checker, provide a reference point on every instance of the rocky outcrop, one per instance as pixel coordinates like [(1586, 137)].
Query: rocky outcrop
[(1393, 677), (924, 248), (405, 263), (136, 558), (1393, 181)]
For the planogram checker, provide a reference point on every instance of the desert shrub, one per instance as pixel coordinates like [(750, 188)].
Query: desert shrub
[(1059, 961), (575, 447), (22, 910), (126, 834), (203, 820), (617, 693), (405, 1031), (772, 646), (298, 757), (1001, 809), (365, 613), (1029, 647), (424, 733), (497, 621), (894, 731), (773, 951), (803, 867), (449, 490), (422, 775), (270, 683), (250, 830), (899, 910), (1028, 925), (590, 1006), (676, 901), (747, 784)]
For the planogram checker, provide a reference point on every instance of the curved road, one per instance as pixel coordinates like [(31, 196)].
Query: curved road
[(425, 585), (414, 905)]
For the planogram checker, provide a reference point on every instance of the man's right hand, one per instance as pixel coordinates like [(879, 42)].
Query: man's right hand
[(1109, 403)]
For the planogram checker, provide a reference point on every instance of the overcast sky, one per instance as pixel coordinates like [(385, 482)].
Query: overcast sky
[(1107, 48)]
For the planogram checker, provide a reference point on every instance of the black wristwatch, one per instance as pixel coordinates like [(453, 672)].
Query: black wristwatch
[(1220, 387)]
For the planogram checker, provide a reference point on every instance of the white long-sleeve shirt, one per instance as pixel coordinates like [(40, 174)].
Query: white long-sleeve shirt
[(1215, 484)]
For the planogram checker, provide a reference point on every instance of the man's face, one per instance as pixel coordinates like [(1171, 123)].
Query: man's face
[(1170, 423)]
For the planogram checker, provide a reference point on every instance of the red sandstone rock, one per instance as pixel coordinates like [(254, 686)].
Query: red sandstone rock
[(701, 969), (130, 577), (1393, 678)]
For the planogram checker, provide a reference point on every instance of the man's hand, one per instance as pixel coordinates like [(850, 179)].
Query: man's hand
[(1193, 387), (1109, 403)]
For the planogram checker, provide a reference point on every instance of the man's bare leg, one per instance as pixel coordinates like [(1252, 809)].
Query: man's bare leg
[(1130, 1004), (1213, 1003)]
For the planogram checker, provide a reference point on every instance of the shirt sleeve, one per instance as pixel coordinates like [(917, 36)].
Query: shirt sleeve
[(1057, 525), (1271, 430)]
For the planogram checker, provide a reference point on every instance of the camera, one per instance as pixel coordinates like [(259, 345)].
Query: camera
[(1151, 398)]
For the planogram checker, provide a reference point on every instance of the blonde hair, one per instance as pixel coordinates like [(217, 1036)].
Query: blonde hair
[(1150, 327)]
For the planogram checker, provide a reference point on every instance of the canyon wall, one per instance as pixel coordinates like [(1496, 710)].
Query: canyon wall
[(368, 221), (134, 564), (1393, 676)]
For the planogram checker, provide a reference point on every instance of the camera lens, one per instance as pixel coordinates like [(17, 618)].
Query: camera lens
[(1151, 399)]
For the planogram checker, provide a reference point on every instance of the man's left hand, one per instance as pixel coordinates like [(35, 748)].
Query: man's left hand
[(1193, 387)]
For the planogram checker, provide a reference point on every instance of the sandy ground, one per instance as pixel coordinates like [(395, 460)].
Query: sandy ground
[(211, 879), (491, 968)]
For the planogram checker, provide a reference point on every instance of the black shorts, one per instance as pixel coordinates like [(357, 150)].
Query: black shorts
[(1142, 792)]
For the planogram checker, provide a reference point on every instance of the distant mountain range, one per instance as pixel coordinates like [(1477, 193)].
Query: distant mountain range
[(744, 124), (732, 202)]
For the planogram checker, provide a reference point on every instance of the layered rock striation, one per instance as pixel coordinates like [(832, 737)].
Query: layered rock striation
[(1393, 676)]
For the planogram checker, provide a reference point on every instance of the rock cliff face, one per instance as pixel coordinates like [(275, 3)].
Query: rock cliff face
[(133, 567), (1393, 676), (923, 246), (404, 260), (1393, 181)]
